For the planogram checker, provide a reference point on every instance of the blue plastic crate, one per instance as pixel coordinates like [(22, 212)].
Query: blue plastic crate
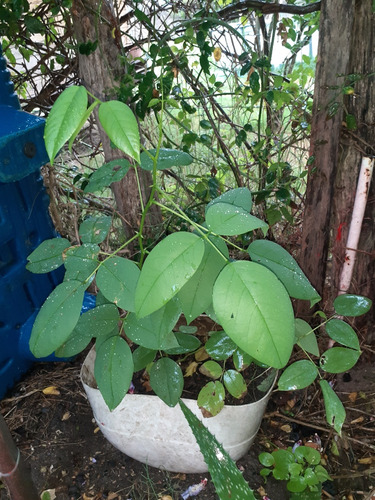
[(24, 223)]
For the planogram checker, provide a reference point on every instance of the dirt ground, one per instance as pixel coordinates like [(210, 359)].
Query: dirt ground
[(61, 444)]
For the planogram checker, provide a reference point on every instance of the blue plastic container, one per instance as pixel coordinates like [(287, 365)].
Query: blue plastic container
[(24, 223)]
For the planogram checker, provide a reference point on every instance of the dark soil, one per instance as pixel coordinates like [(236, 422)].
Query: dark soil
[(60, 442)]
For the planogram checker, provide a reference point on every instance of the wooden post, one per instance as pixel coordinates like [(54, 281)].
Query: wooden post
[(13, 471)]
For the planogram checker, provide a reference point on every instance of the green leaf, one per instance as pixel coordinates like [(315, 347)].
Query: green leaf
[(321, 474), (211, 369), (305, 337), (167, 158), (280, 262), (239, 197), (143, 357), (241, 359), (335, 411), (235, 384), (339, 359), (167, 380), (352, 305), (47, 256), (298, 375), (307, 453), (219, 346), (153, 331), (81, 263), (121, 127), (57, 318), (95, 229), (228, 480), (166, 270), (103, 177), (196, 295), (266, 459), (255, 311), (211, 398), (34, 25), (343, 333), (187, 343), (297, 484), (98, 321), (65, 116), (283, 459), (113, 370), (117, 279), (229, 220)]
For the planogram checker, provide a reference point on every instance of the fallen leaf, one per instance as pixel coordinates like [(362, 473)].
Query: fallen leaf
[(51, 391), (201, 354), (66, 416), (86, 497), (217, 53), (353, 396), (191, 369), (166, 497), (366, 460), (286, 428), (357, 420), (48, 495), (112, 496), (96, 430)]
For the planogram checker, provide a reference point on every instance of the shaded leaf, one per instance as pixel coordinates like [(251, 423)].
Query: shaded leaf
[(229, 220), (103, 177), (305, 337), (167, 381), (211, 369), (95, 229), (298, 375), (235, 383), (352, 305), (81, 263), (113, 370), (211, 398), (219, 346), (335, 411), (343, 333), (167, 158), (47, 256), (339, 359)]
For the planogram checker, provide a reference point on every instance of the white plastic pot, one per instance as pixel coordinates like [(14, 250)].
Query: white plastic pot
[(146, 429)]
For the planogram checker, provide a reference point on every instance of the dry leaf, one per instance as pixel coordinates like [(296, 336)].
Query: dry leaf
[(353, 396), (66, 416), (51, 391), (201, 354), (96, 430), (191, 369), (357, 420), (85, 497), (112, 496), (366, 461), (286, 428), (166, 497), (217, 53)]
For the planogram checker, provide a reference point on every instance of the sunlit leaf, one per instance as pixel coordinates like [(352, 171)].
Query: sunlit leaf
[(166, 270), (255, 311), (229, 220)]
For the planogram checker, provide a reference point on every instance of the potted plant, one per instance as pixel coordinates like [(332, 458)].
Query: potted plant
[(186, 274)]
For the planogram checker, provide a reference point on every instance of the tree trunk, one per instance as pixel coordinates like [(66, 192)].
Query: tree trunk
[(333, 59), (100, 72), (346, 42)]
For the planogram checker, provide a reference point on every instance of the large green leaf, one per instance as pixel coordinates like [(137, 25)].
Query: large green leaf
[(121, 127), (305, 337), (47, 256), (95, 229), (196, 295), (143, 357), (64, 118), (167, 381), (279, 261), (339, 359), (81, 263), (298, 375), (103, 177), (239, 197), (255, 311), (352, 305), (187, 343), (95, 322), (228, 480), (343, 333), (57, 318), (113, 370), (117, 279), (166, 270), (167, 158), (335, 411), (155, 330), (229, 220)]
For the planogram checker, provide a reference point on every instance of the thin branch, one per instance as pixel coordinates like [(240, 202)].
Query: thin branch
[(234, 11)]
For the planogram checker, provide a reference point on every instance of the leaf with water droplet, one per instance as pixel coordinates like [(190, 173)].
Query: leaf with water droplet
[(47, 256)]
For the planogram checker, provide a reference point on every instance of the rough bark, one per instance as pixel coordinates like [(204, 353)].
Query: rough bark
[(354, 145), (100, 72), (346, 42), (332, 61)]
